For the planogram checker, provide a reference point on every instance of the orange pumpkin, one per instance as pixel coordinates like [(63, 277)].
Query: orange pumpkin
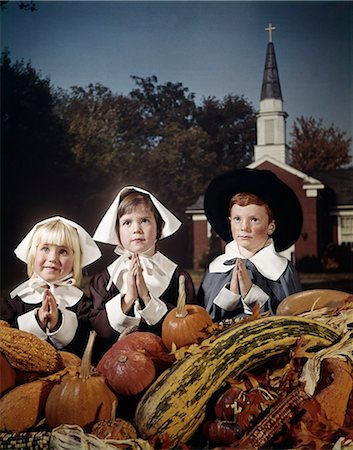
[(185, 324), (82, 397)]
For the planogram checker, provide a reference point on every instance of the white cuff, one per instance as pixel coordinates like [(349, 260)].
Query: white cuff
[(153, 311), (65, 334), (28, 322), (227, 300), (117, 319), (255, 295)]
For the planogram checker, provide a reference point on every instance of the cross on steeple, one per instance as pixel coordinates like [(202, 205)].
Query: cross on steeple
[(270, 28)]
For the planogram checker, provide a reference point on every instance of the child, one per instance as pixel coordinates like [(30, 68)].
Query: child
[(139, 287), (50, 304), (258, 215)]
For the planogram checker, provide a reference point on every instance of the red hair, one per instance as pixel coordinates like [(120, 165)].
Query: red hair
[(247, 198)]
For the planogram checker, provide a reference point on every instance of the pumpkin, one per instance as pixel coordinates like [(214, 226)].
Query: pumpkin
[(82, 396), (148, 343), (127, 372), (185, 324), (23, 407), (8, 375)]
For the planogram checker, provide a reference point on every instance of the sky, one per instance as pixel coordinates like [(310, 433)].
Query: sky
[(214, 48)]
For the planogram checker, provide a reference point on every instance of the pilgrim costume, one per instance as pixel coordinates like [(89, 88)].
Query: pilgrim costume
[(160, 274), (25, 300), (273, 276)]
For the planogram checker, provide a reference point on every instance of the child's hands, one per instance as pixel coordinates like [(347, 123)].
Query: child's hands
[(48, 313), (240, 282), (244, 279), (140, 283)]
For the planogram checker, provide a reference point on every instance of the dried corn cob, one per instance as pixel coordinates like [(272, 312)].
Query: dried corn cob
[(274, 421), (25, 441), (27, 352)]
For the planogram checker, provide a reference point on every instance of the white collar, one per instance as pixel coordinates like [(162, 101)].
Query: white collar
[(64, 291), (157, 271), (267, 261)]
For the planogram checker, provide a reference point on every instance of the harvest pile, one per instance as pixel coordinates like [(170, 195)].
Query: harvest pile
[(283, 381)]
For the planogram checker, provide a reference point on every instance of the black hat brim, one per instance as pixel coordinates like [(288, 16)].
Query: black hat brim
[(279, 196)]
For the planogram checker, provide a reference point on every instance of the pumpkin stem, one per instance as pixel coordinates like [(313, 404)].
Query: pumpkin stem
[(181, 310), (113, 413), (85, 369)]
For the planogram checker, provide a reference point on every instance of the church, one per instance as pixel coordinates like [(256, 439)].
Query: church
[(326, 197)]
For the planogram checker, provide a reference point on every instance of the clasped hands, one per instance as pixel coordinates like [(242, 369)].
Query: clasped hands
[(136, 286), (48, 313), (241, 282)]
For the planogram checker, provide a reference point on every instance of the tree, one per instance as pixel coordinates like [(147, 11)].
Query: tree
[(36, 162), (314, 147), (148, 138), (26, 6), (231, 127)]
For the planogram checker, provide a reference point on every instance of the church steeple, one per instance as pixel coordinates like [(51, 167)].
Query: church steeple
[(271, 87), (271, 120)]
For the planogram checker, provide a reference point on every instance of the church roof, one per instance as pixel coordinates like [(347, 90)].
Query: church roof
[(271, 87), (340, 181)]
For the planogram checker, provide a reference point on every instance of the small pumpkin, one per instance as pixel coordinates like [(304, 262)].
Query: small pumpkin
[(82, 396), (127, 372), (8, 375), (185, 324)]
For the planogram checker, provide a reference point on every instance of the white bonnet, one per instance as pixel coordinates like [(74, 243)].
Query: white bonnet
[(106, 231), (90, 250)]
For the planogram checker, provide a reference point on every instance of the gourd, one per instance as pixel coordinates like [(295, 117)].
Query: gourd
[(23, 407), (27, 352), (114, 428), (7, 375), (175, 403), (81, 397), (185, 324)]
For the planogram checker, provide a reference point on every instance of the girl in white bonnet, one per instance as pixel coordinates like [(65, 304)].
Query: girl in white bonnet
[(141, 285), (50, 304)]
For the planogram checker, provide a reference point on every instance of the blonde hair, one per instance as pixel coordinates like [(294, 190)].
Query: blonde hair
[(247, 198), (57, 233)]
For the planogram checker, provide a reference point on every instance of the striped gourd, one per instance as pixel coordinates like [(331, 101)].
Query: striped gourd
[(175, 403)]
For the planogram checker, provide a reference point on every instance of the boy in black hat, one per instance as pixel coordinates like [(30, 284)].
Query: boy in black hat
[(259, 216)]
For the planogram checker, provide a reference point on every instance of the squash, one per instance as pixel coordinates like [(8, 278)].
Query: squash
[(23, 407), (185, 324), (303, 301), (81, 397), (175, 403)]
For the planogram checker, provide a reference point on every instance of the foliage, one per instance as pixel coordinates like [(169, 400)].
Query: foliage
[(26, 6), (317, 148), (36, 164), (231, 127)]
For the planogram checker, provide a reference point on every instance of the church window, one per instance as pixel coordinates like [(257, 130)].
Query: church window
[(269, 132)]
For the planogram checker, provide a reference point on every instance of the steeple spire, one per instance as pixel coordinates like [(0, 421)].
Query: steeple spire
[(271, 87)]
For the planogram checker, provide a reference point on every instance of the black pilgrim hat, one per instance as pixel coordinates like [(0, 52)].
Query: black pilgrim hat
[(282, 200)]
